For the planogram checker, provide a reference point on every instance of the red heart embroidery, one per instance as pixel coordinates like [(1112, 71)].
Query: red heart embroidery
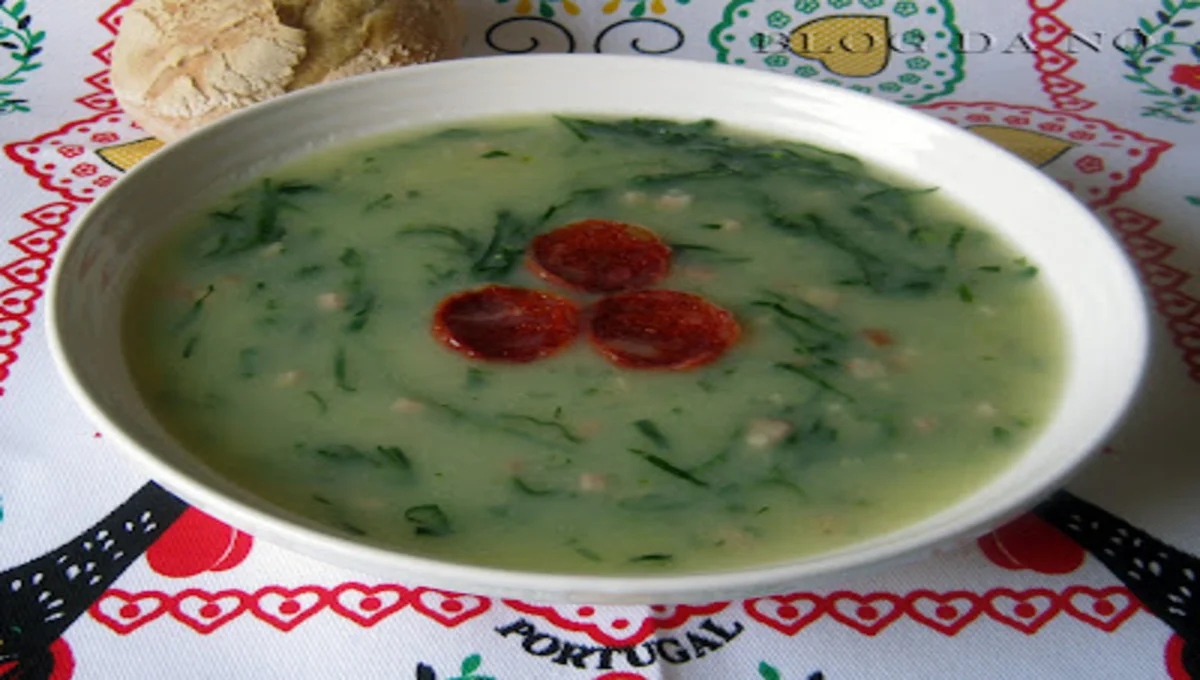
[(99, 101), (11, 330), (112, 18), (1025, 611), (286, 609), (51, 215), (205, 612), (365, 605), (40, 242), (947, 613), (1106, 608), (1190, 335), (1146, 248), (1176, 304), (1048, 30), (450, 609), (1163, 276), (1060, 85), (868, 614), (1047, 6), (1073, 104), (101, 81), (125, 613), (611, 626), (29, 271), (1050, 60), (787, 614), (18, 301), (615, 626)]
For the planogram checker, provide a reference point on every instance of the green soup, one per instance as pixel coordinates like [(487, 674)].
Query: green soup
[(894, 355)]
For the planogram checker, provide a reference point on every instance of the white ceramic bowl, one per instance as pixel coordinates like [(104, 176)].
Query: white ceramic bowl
[(1096, 289)]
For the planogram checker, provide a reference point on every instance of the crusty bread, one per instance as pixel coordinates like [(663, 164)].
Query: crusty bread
[(180, 64)]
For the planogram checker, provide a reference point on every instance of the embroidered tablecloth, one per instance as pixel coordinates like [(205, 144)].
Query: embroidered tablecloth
[(104, 575)]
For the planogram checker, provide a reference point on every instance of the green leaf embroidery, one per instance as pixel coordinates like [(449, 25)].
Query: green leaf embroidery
[(1140, 62), (768, 672), (471, 664), (21, 44)]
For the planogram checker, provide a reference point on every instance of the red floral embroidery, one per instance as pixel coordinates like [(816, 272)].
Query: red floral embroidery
[(1090, 164), (1187, 75)]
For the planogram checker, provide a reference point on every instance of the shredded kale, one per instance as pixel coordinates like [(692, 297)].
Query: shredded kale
[(956, 239), (668, 468), (322, 406), (505, 249), (476, 378), (344, 453), (255, 221), (890, 209), (383, 201), (469, 245), (350, 528), (339, 371), (649, 130), (651, 503), (652, 558), (724, 454), (556, 427), (575, 197), (524, 487), (194, 312), (190, 347), (884, 275), (785, 312), (428, 520), (812, 377), (587, 554), (707, 253), (396, 456), (650, 430), (248, 362)]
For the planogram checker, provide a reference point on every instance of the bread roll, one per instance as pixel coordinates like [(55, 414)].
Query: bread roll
[(180, 64)]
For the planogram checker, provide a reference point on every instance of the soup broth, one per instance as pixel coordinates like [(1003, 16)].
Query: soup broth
[(891, 353)]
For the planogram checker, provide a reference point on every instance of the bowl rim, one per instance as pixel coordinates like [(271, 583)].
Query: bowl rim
[(307, 538)]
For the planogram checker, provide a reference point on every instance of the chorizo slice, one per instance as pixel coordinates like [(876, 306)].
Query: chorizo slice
[(503, 323), (661, 329), (600, 256)]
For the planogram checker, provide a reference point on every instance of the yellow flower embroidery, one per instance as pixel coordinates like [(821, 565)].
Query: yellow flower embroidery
[(544, 8), (639, 7)]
